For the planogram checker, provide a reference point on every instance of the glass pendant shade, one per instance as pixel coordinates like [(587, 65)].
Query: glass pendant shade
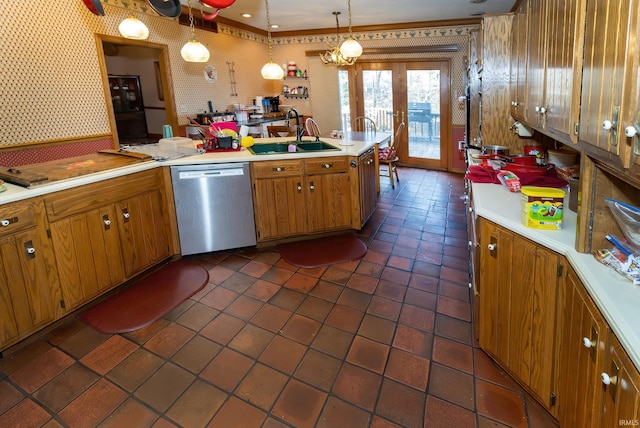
[(272, 71), (351, 48), (194, 51), (133, 28)]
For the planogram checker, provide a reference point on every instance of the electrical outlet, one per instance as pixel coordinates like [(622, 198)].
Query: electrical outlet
[(183, 108)]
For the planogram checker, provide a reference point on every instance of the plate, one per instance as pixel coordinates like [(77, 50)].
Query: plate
[(95, 7), (170, 8)]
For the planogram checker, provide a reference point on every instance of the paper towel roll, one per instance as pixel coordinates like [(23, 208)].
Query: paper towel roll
[(244, 131)]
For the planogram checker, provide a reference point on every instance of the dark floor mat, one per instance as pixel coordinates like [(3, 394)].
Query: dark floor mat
[(148, 300), (323, 251)]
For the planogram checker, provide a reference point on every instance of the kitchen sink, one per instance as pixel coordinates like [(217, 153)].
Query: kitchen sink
[(301, 147)]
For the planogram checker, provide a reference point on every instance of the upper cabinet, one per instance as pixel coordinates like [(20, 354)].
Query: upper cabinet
[(546, 64), (489, 67), (518, 78), (609, 103)]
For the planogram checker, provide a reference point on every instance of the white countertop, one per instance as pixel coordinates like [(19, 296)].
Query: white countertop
[(354, 144), (616, 297)]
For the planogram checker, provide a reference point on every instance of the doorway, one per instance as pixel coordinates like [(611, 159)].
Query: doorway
[(414, 92), (160, 106)]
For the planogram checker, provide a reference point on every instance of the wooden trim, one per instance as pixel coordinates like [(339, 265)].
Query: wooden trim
[(398, 50), (57, 142), (344, 30)]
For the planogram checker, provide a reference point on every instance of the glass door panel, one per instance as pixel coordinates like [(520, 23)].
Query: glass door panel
[(378, 98), (423, 113)]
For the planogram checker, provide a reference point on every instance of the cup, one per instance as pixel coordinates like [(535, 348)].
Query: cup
[(167, 132)]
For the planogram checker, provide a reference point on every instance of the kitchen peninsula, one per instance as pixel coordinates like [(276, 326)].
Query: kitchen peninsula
[(82, 236)]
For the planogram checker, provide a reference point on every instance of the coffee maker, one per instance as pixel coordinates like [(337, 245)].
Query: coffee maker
[(272, 104)]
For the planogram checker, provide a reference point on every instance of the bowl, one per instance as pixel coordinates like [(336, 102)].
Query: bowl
[(562, 158)]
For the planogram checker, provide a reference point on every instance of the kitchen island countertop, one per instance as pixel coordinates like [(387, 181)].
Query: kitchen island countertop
[(354, 144), (617, 298)]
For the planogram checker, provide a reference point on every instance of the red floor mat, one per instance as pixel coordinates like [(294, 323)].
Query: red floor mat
[(323, 251), (147, 300)]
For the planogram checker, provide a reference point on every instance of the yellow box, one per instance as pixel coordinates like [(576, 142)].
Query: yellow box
[(542, 207)]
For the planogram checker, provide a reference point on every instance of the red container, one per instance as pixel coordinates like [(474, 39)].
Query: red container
[(526, 169), (525, 159)]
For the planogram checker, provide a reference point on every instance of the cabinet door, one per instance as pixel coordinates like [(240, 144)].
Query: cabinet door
[(582, 335), (518, 76), (328, 201), (621, 401), (536, 63), (143, 236), (368, 192), (610, 76), (563, 71), (518, 281), (88, 256), (29, 286), (279, 207)]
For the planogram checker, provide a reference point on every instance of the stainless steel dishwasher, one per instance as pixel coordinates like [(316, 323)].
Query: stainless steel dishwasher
[(214, 207)]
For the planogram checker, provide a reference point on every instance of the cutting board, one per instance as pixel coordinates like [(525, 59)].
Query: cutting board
[(62, 169)]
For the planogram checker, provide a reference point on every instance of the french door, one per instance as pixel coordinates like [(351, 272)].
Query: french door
[(414, 92)]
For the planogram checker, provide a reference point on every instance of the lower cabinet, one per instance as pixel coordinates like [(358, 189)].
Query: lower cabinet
[(368, 184), (537, 320), (105, 233), (29, 287), (598, 385), (294, 197), (518, 287)]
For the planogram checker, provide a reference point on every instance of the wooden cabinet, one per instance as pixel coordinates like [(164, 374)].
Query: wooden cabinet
[(126, 97), (518, 75), (489, 68), (582, 336), (29, 286), (598, 385), (621, 383), (278, 199), (368, 185), (547, 80), (328, 188), (107, 232), (518, 288), (609, 103), (301, 196)]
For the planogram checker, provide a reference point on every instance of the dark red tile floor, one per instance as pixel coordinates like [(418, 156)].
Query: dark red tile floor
[(385, 341)]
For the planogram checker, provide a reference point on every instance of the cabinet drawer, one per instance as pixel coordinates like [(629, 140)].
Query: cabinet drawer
[(17, 216), (276, 169), (90, 196), (326, 165)]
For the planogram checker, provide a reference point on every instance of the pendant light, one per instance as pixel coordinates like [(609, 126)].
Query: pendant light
[(334, 56), (193, 50), (133, 28), (271, 70), (350, 48)]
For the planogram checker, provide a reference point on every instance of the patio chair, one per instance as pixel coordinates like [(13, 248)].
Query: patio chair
[(363, 124), (311, 126), (388, 156), (281, 131)]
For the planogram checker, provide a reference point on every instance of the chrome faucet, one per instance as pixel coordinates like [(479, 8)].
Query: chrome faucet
[(299, 131)]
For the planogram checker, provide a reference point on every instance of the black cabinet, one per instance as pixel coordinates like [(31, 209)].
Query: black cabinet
[(126, 96)]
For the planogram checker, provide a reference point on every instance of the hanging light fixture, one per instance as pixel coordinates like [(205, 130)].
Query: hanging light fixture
[(333, 55), (350, 48), (133, 28), (271, 70), (193, 50)]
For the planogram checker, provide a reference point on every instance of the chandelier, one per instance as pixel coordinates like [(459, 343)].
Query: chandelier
[(334, 55), (193, 50), (271, 70)]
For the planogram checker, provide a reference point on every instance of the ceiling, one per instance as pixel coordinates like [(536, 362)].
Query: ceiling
[(298, 15)]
